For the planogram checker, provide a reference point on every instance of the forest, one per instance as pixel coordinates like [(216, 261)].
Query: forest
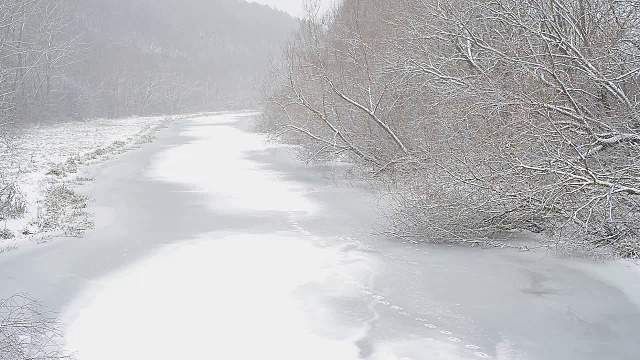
[(476, 117), (64, 59)]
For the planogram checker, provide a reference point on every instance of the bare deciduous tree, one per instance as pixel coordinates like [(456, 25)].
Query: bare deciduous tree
[(479, 115)]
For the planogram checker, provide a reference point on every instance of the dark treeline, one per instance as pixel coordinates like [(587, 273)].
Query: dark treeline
[(62, 59), (477, 116)]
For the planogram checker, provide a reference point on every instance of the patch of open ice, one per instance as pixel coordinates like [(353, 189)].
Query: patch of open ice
[(226, 171), (29, 152)]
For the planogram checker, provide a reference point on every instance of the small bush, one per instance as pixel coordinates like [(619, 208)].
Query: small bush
[(6, 234), (97, 153), (13, 205), (63, 209), (57, 170), (27, 231), (71, 166)]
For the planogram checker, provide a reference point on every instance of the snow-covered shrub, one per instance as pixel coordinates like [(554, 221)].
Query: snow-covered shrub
[(476, 117), (97, 153), (12, 202), (6, 234), (64, 209), (68, 167), (29, 332), (71, 166), (57, 170)]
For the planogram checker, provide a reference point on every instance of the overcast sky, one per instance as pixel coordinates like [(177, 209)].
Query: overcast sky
[(293, 7)]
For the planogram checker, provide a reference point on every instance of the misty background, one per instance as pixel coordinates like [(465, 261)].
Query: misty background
[(84, 59), (225, 128)]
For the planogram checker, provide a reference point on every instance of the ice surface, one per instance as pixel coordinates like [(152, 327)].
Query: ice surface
[(216, 163)]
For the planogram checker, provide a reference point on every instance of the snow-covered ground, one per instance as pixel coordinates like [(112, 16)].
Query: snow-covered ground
[(38, 158), (195, 261)]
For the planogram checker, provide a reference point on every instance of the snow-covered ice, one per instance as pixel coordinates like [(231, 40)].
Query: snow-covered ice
[(239, 295), (297, 287), (233, 296), (216, 164)]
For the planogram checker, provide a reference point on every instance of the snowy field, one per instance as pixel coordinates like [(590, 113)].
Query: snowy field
[(45, 162)]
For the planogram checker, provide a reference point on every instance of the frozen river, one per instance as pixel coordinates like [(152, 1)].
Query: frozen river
[(213, 244)]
